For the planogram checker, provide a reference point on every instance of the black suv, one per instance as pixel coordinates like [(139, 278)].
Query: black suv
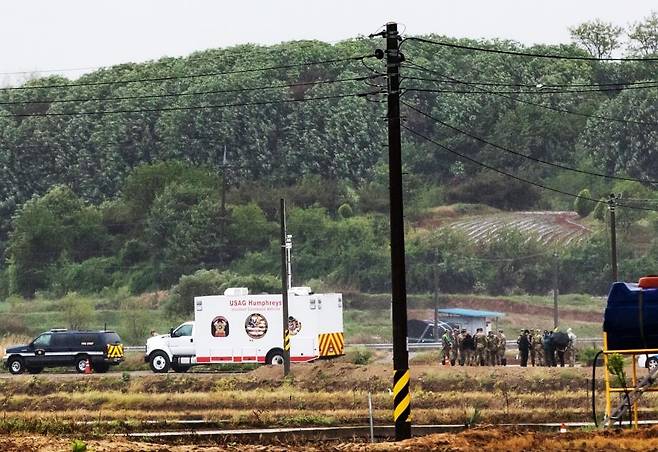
[(57, 348)]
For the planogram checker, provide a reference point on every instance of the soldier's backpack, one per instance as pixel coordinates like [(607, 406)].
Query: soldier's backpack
[(560, 340)]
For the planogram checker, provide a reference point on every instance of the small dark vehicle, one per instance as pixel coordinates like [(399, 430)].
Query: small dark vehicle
[(57, 348)]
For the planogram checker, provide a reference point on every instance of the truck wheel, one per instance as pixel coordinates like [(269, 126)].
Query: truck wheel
[(652, 363), (179, 368), (275, 357), (160, 363), (81, 364), (16, 366)]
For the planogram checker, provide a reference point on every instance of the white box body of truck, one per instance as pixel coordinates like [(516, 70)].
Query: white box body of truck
[(249, 328)]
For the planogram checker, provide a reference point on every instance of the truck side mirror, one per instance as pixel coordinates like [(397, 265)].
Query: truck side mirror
[(171, 332)]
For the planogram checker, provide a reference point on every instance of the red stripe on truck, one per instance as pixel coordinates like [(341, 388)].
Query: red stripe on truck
[(260, 359)]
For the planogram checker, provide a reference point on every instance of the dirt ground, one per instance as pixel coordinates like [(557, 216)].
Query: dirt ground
[(484, 439)]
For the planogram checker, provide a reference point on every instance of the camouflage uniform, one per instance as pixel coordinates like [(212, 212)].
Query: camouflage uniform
[(538, 348), (456, 347), (466, 351), (480, 347), (446, 340), (492, 348), (502, 344), (570, 353)]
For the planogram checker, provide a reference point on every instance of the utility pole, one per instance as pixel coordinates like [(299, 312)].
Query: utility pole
[(556, 269), (612, 201), (222, 224), (435, 297), (284, 290), (401, 393)]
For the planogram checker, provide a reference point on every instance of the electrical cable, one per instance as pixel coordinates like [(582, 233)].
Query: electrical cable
[(547, 107), (193, 107), (199, 93), (184, 76), (520, 179), (230, 52), (525, 54), (525, 156), (534, 93), (531, 85)]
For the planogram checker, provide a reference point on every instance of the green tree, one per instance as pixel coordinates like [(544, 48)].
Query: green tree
[(78, 311), (582, 205), (643, 35), (599, 38)]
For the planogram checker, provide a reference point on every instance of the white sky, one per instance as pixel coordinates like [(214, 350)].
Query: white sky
[(64, 34)]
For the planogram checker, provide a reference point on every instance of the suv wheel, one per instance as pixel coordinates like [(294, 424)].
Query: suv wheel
[(160, 363), (34, 370), (81, 364), (16, 366)]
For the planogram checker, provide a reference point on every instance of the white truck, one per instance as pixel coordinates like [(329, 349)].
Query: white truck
[(240, 328)]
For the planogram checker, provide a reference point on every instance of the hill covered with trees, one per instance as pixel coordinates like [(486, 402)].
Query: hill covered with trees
[(115, 179)]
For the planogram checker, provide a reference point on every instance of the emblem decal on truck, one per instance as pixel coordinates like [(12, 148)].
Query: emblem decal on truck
[(294, 325), (219, 327), (255, 326)]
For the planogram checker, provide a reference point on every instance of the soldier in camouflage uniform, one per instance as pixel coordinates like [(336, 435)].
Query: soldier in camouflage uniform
[(492, 348), (480, 347), (446, 341), (456, 347), (538, 347), (466, 349), (502, 344)]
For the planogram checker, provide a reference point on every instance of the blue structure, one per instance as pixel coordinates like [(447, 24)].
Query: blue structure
[(631, 317), (470, 319)]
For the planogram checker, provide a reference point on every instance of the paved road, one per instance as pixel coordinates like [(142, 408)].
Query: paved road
[(72, 374)]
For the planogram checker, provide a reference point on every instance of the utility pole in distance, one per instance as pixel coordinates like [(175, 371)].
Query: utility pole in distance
[(612, 201), (284, 290), (401, 393), (556, 264)]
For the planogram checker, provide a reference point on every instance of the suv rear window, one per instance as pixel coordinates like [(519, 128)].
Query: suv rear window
[(111, 337)]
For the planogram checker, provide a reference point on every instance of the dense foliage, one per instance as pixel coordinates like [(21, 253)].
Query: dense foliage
[(134, 199)]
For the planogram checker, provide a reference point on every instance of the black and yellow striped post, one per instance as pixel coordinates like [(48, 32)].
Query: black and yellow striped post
[(401, 404), (402, 399), (286, 340)]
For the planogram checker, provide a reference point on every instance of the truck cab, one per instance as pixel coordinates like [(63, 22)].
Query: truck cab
[(172, 351)]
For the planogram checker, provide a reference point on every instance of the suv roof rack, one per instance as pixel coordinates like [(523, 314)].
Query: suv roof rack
[(57, 330)]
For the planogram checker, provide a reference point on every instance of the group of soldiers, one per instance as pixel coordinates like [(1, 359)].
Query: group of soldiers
[(550, 348), (478, 349)]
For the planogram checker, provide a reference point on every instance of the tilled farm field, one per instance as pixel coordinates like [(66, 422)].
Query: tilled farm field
[(324, 394)]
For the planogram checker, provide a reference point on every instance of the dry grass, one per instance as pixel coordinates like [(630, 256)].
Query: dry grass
[(11, 340)]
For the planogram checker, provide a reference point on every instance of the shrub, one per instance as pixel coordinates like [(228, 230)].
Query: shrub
[(78, 311), (360, 356), (345, 211), (495, 190), (582, 204)]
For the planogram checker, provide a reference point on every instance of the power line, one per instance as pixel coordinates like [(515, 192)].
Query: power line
[(185, 76), (193, 107), (534, 159), (194, 93), (547, 107), (536, 93), (520, 179), (228, 52), (539, 86), (524, 54)]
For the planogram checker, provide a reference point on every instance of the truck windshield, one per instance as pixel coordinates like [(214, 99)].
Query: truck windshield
[(183, 330)]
